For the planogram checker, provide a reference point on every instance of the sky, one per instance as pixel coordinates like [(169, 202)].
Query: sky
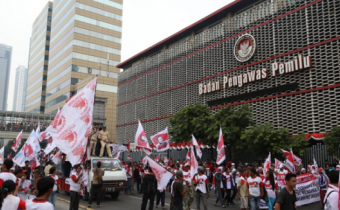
[(145, 22)]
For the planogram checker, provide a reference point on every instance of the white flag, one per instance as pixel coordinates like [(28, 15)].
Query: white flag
[(17, 142), (277, 164), (72, 126), (297, 160), (220, 149), (193, 164), (198, 149), (37, 132), (140, 137), (57, 157), (50, 146), (28, 151), (158, 157), (161, 140), (267, 164), (162, 175), (2, 155)]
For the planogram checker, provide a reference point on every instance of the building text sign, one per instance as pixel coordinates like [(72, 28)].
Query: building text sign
[(299, 62)]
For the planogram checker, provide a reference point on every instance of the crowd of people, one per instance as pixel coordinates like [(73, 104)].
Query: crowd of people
[(244, 183), (18, 126)]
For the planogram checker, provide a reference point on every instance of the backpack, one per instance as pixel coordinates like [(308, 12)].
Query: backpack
[(150, 187)]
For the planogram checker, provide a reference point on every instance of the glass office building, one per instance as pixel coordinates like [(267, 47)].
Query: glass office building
[(38, 61), (20, 89), (85, 41), (5, 67)]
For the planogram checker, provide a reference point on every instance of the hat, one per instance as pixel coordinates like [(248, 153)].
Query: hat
[(233, 164), (18, 171), (179, 173), (303, 169), (321, 169), (201, 169), (259, 168)]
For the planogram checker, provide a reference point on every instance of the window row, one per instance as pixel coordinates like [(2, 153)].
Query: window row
[(96, 47), (92, 71), (39, 99), (97, 35), (110, 3), (98, 11), (61, 10), (36, 73), (39, 38), (58, 76), (59, 64), (36, 91), (66, 15), (98, 23), (94, 59), (42, 17), (107, 88), (57, 100), (61, 30), (71, 81)]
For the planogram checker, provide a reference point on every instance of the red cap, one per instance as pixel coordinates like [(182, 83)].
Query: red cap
[(321, 169)]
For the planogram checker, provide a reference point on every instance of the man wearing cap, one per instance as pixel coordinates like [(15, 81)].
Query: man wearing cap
[(178, 192), (303, 171), (189, 196), (332, 194), (202, 189), (105, 142), (323, 185)]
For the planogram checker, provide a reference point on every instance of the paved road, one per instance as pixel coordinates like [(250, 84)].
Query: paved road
[(133, 202)]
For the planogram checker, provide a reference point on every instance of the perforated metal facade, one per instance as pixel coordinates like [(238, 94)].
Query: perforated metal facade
[(158, 86)]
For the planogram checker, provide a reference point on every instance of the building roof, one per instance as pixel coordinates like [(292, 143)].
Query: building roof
[(213, 17)]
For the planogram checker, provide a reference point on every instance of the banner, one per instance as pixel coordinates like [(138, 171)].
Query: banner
[(161, 140), (118, 148), (57, 157), (277, 164), (297, 160), (17, 142), (220, 149), (50, 146), (72, 126), (29, 150), (162, 175), (37, 132), (158, 157), (307, 189), (193, 164), (197, 147), (267, 165), (140, 137)]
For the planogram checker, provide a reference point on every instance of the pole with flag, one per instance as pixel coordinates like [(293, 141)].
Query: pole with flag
[(220, 149), (162, 175), (17, 142), (267, 164), (197, 147)]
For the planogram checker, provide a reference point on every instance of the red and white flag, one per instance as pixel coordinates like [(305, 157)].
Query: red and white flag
[(57, 157), (220, 149), (17, 142), (187, 158), (34, 163), (9, 155), (117, 155), (277, 164), (50, 146), (72, 126), (158, 158), (145, 161), (267, 163), (161, 140), (140, 139), (193, 164), (290, 162), (28, 151), (165, 160), (297, 160), (197, 147), (129, 158), (162, 175), (37, 132)]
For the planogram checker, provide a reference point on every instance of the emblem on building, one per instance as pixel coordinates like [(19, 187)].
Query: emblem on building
[(245, 47)]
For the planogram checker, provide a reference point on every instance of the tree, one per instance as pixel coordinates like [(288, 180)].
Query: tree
[(233, 120), (332, 141), (262, 139), (187, 121)]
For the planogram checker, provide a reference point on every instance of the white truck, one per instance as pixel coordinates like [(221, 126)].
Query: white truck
[(114, 179)]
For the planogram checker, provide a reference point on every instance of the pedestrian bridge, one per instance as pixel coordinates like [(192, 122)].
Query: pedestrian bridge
[(11, 123)]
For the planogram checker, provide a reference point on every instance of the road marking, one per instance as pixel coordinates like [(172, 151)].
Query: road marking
[(67, 201), (142, 199)]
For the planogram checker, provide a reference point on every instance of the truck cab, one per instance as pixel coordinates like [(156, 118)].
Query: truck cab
[(114, 179)]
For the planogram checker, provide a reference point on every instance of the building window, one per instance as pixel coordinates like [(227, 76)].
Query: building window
[(47, 47), (74, 81), (43, 88), (50, 9), (42, 109), (46, 57), (48, 38), (45, 67), (45, 77), (48, 28), (49, 18)]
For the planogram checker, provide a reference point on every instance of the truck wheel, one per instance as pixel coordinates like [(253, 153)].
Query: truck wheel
[(114, 195)]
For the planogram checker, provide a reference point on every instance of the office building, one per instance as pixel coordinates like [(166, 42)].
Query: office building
[(279, 56), (85, 41), (5, 68), (20, 89), (38, 61)]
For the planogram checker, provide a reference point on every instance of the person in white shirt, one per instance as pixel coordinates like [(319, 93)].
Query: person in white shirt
[(255, 189), (10, 201), (230, 185), (24, 187), (45, 189), (75, 183), (56, 187), (189, 196), (202, 189), (272, 189), (282, 170), (332, 194), (5, 172)]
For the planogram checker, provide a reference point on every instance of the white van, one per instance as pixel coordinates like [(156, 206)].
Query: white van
[(114, 179)]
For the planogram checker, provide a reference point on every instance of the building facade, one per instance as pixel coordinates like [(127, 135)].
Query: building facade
[(278, 56), (5, 68), (85, 41), (19, 97), (38, 61)]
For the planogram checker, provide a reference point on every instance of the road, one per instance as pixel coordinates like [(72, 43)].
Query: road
[(133, 202)]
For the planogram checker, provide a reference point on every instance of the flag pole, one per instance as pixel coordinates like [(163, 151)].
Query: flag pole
[(335, 158)]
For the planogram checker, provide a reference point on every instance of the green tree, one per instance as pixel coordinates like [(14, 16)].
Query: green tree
[(233, 121), (332, 141), (262, 139), (187, 121)]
